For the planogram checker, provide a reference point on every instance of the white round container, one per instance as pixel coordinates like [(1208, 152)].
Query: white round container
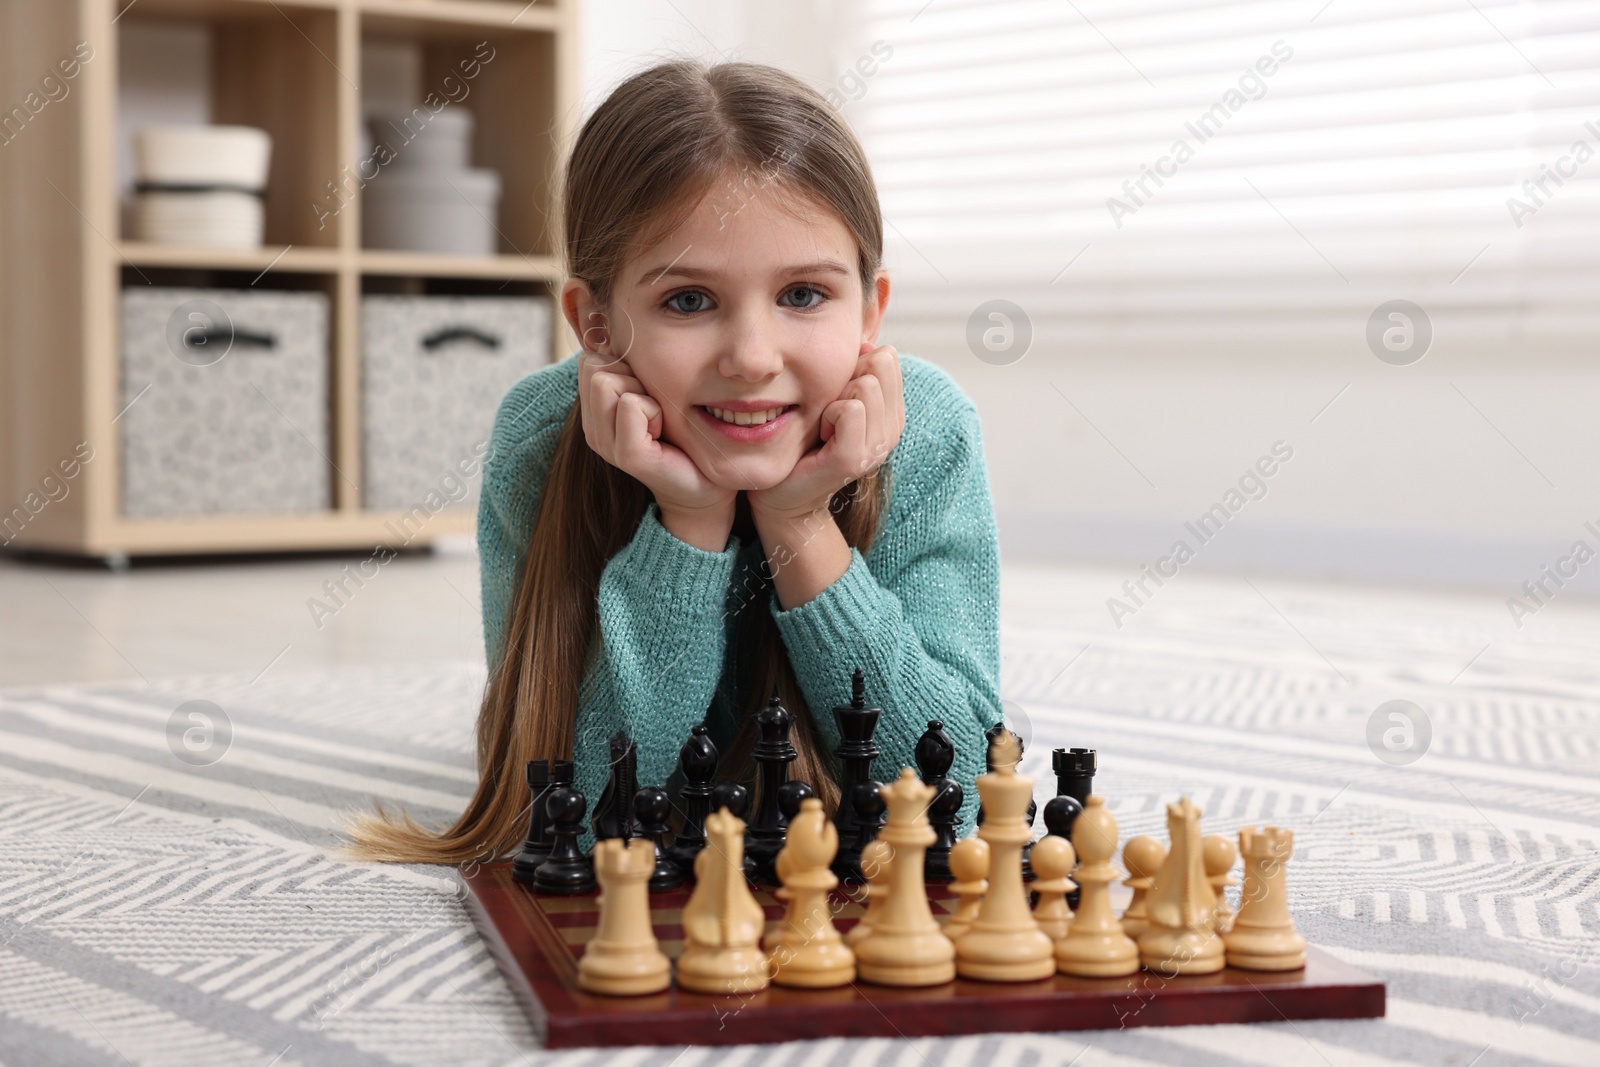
[(203, 155), (420, 210), (423, 139), (216, 219)]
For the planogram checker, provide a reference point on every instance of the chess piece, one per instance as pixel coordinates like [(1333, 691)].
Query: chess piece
[(790, 797), (809, 952), (969, 863), (935, 753), (1142, 856), (875, 861), (856, 721), (1004, 944), (1074, 769), (697, 761), (613, 813), (1178, 938), (652, 805), (990, 736), (1263, 937), (1218, 854), (1095, 945), (1053, 859), (904, 946), (567, 871), (623, 958), (722, 923), (536, 847), (773, 754), (736, 798)]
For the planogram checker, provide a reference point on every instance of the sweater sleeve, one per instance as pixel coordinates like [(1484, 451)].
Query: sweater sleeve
[(660, 654), (921, 620), (522, 444)]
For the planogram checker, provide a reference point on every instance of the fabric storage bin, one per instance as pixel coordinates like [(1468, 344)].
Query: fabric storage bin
[(433, 372), (224, 401)]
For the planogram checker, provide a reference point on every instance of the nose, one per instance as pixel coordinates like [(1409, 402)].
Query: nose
[(753, 347)]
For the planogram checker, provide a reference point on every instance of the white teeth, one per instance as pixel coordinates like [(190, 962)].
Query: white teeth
[(746, 418)]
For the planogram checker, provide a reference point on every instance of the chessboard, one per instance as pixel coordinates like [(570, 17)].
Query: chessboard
[(539, 939)]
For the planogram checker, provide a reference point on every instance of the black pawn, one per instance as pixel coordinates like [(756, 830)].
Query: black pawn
[(698, 762), (857, 722), (1074, 782), (871, 803), (935, 753), (567, 871), (773, 754), (653, 804), (736, 798), (613, 812), (733, 796), (536, 848), (790, 796)]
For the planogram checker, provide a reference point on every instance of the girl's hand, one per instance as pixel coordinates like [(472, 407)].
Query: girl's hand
[(858, 432), (622, 423)]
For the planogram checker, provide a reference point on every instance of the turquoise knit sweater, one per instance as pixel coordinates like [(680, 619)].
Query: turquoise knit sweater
[(919, 612)]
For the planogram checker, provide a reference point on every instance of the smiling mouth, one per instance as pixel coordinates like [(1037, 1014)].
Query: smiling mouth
[(745, 418)]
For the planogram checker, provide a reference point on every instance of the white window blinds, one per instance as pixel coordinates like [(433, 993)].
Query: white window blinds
[(1151, 171)]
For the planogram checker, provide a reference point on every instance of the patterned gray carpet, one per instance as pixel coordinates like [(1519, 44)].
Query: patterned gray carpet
[(167, 895)]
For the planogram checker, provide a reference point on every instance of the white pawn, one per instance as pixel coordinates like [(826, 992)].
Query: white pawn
[(1219, 855), (1053, 858), (876, 858), (969, 862), (1095, 946)]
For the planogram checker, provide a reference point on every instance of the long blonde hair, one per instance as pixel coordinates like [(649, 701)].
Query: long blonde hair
[(641, 163)]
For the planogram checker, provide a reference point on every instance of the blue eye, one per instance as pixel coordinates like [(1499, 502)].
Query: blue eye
[(694, 293), (806, 289)]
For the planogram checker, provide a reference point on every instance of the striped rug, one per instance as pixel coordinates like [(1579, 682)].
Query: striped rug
[(168, 894)]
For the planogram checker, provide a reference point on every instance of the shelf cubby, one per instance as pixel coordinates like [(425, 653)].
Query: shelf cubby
[(293, 68)]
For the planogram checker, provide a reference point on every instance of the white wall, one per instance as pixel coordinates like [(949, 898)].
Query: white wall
[(1475, 466)]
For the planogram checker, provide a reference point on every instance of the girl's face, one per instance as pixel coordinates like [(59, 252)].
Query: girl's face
[(754, 306)]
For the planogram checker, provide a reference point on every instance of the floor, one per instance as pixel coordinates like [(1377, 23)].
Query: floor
[(68, 622)]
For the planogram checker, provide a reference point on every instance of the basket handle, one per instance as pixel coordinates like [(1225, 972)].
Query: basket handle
[(447, 334), (212, 334)]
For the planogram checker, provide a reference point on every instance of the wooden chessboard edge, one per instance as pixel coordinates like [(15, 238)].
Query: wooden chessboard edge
[(562, 1020)]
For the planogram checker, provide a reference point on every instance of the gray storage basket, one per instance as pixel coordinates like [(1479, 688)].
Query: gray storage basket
[(433, 372), (225, 401)]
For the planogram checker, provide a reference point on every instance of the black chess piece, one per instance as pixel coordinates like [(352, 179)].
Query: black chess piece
[(543, 775), (790, 796), (736, 798), (935, 753), (730, 795), (697, 761), (856, 721), (653, 804), (871, 803), (1074, 782), (613, 812), (568, 870), (773, 754)]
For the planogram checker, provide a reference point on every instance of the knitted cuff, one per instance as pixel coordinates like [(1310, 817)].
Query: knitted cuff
[(684, 581)]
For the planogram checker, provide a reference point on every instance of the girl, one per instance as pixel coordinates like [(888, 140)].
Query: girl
[(695, 513)]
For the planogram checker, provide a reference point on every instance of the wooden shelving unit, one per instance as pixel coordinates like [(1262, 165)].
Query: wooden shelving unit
[(293, 68)]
